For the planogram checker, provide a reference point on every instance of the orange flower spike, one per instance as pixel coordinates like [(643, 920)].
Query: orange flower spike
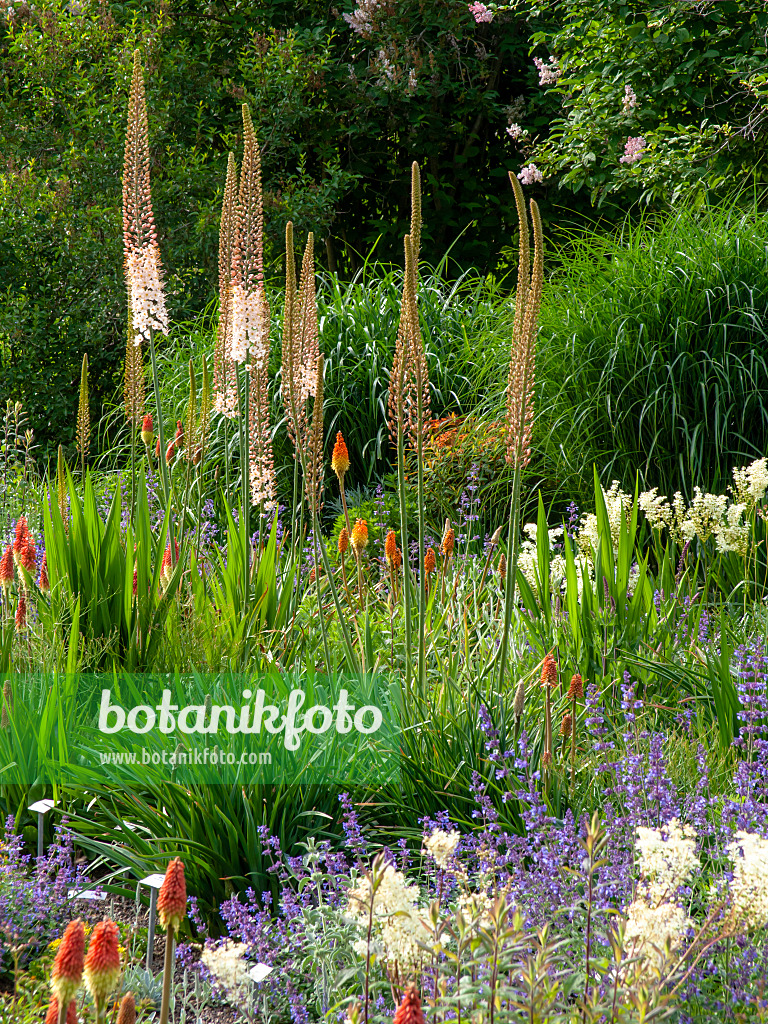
[(430, 562), (390, 547), (170, 452), (102, 963), (21, 614), (343, 540), (43, 583), (157, 448), (52, 1017), (576, 689), (28, 556), (67, 970), (340, 457), (6, 568), (172, 898), (21, 534), (549, 672), (179, 437), (397, 559), (127, 1012), (359, 536), (409, 1011), (448, 541), (147, 432)]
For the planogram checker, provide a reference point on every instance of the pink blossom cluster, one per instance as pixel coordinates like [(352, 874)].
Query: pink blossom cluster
[(633, 150), (530, 174), (481, 13), (548, 73), (630, 99), (361, 19)]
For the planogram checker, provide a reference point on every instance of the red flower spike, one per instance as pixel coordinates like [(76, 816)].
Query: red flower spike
[(172, 898), (340, 457), (21, 534), (549, 671), (52, 1017), (390, 546), (102, 963), (67, 970), (409, 1011), (147, 432), (28, 555), (6, 567), (21, 614)]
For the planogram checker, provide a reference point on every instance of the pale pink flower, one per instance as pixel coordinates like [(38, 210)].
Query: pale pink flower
[(480, 13), (530, 174), (515, 131), (633, 150), (548, 73), (630, 99)]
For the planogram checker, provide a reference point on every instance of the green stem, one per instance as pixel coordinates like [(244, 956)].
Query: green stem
[(167, 977), (421, 575)]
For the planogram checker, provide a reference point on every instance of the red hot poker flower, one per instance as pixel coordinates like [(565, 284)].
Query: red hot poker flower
[(340, 457), (21, 614), (147, 432), (52, 1017), (21, 534), (102, 963), (172, 898), (409, 1011), (549, 672), (67, 970), (6, 567), (28, 555), (390, 546)]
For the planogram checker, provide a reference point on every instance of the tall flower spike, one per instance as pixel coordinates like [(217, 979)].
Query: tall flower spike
[(127, 1011), (102, 963), (142, 255), (21, 614), (83, 431), (340, 457), (522, 358), (6, 568), (315, 452), (301, 341), (224, 378), (67, 970), (250, 330), (409, 372), (262, 469), (172, 898), (134, 389)]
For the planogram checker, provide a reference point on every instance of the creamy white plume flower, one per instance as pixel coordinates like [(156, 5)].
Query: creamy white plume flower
[(749, 888), (705, 513), (652, 932), (441, 846), (751, 482), (733, 534), (667, 859), (397, 921), (657, 509), (146, 294), (229, 968)]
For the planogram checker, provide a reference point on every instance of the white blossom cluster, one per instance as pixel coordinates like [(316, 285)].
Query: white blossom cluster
[(618, 504), (146, 297), (749, 888), (441, 846), (249, 331), (397, 925), (229, 968), (656, 923), (515, 131), (361, 19), (711, 515)]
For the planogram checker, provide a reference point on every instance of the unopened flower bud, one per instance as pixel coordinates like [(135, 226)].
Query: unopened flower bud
[(576, 689), (549, 672), (566, 726), (172, 898)]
